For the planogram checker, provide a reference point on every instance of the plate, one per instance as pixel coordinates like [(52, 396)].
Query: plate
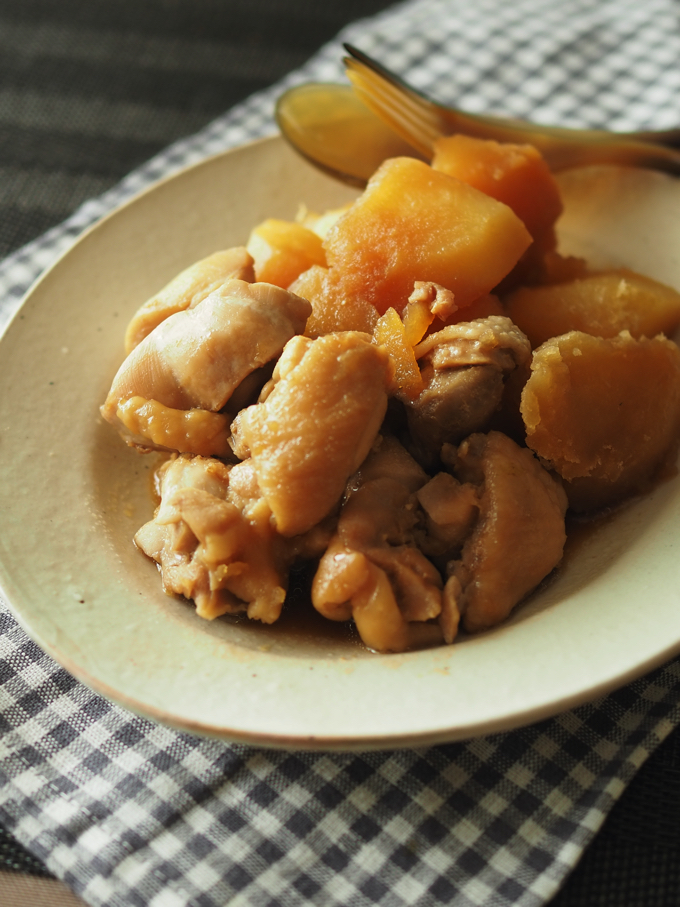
[(72, 495)]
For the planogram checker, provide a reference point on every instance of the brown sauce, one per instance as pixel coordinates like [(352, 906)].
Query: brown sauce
[(300, 619), (301, 622), (582, 528)]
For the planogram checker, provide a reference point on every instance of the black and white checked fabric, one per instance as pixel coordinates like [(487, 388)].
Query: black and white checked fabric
[(131, 813)]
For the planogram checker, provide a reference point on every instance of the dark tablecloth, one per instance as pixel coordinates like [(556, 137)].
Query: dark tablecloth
[(90, 89)]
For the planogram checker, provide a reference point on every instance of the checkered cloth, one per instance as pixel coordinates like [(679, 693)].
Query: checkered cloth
[(131, 813)]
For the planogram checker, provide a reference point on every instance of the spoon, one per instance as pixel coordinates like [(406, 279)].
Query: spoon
[(331, 127)]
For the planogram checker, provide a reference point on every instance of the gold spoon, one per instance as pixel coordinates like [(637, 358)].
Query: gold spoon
[(330, 126)]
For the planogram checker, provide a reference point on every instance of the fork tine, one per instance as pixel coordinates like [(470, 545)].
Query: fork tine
[(410, 114), (409, 121), (356, 55)]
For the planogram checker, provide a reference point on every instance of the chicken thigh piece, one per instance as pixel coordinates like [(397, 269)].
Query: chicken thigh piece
[(373, 570), (197, 358), (187, 289), (317, 420), (517, 539), (213, 539), (465, 368)]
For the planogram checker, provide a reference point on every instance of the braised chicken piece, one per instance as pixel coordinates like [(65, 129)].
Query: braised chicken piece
[(517, 538), (451, 509), (465, 368), (604, 413), (316, 422), (187, 289), (196, 360), (427, 301), (373, 570), (192, 430), (213, 540)]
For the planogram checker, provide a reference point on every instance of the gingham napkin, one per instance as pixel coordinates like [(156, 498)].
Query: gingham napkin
[(131, 813)]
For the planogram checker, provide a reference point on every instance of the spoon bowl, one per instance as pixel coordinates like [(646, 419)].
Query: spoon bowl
[(333, 129)]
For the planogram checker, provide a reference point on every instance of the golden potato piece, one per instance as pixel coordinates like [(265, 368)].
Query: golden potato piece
[(414, 223), (282, 250), (332, 310), (604, 413), (516, 175), (321, 223), (602, 304)]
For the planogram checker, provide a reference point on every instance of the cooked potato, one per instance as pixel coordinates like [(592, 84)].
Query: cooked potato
[(282, 250), (332, 309), (603, 413), (516, 175), (602, 304), (415, 223)]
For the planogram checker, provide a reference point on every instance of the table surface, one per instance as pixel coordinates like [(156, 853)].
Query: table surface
[(70, 71)]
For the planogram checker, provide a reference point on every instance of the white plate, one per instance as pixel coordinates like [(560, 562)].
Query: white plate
[(72, 495)]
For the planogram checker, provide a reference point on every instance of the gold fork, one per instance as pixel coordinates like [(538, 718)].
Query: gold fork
[(421, 121)]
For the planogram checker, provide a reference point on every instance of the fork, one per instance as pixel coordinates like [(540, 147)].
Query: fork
[(421, 121)]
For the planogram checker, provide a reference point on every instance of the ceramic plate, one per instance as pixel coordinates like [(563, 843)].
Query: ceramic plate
[(72, 495)]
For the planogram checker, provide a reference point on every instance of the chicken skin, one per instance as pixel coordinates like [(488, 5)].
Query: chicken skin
[(517, 539), (315, 425), (214, 542), (373, 570), (187, 289), (196, 359)]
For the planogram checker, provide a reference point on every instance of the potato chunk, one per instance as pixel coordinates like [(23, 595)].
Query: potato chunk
[(516, 175), (282, 250), (414, 223), (321, 223), (602, 304), (332, 310), (604, 413)]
